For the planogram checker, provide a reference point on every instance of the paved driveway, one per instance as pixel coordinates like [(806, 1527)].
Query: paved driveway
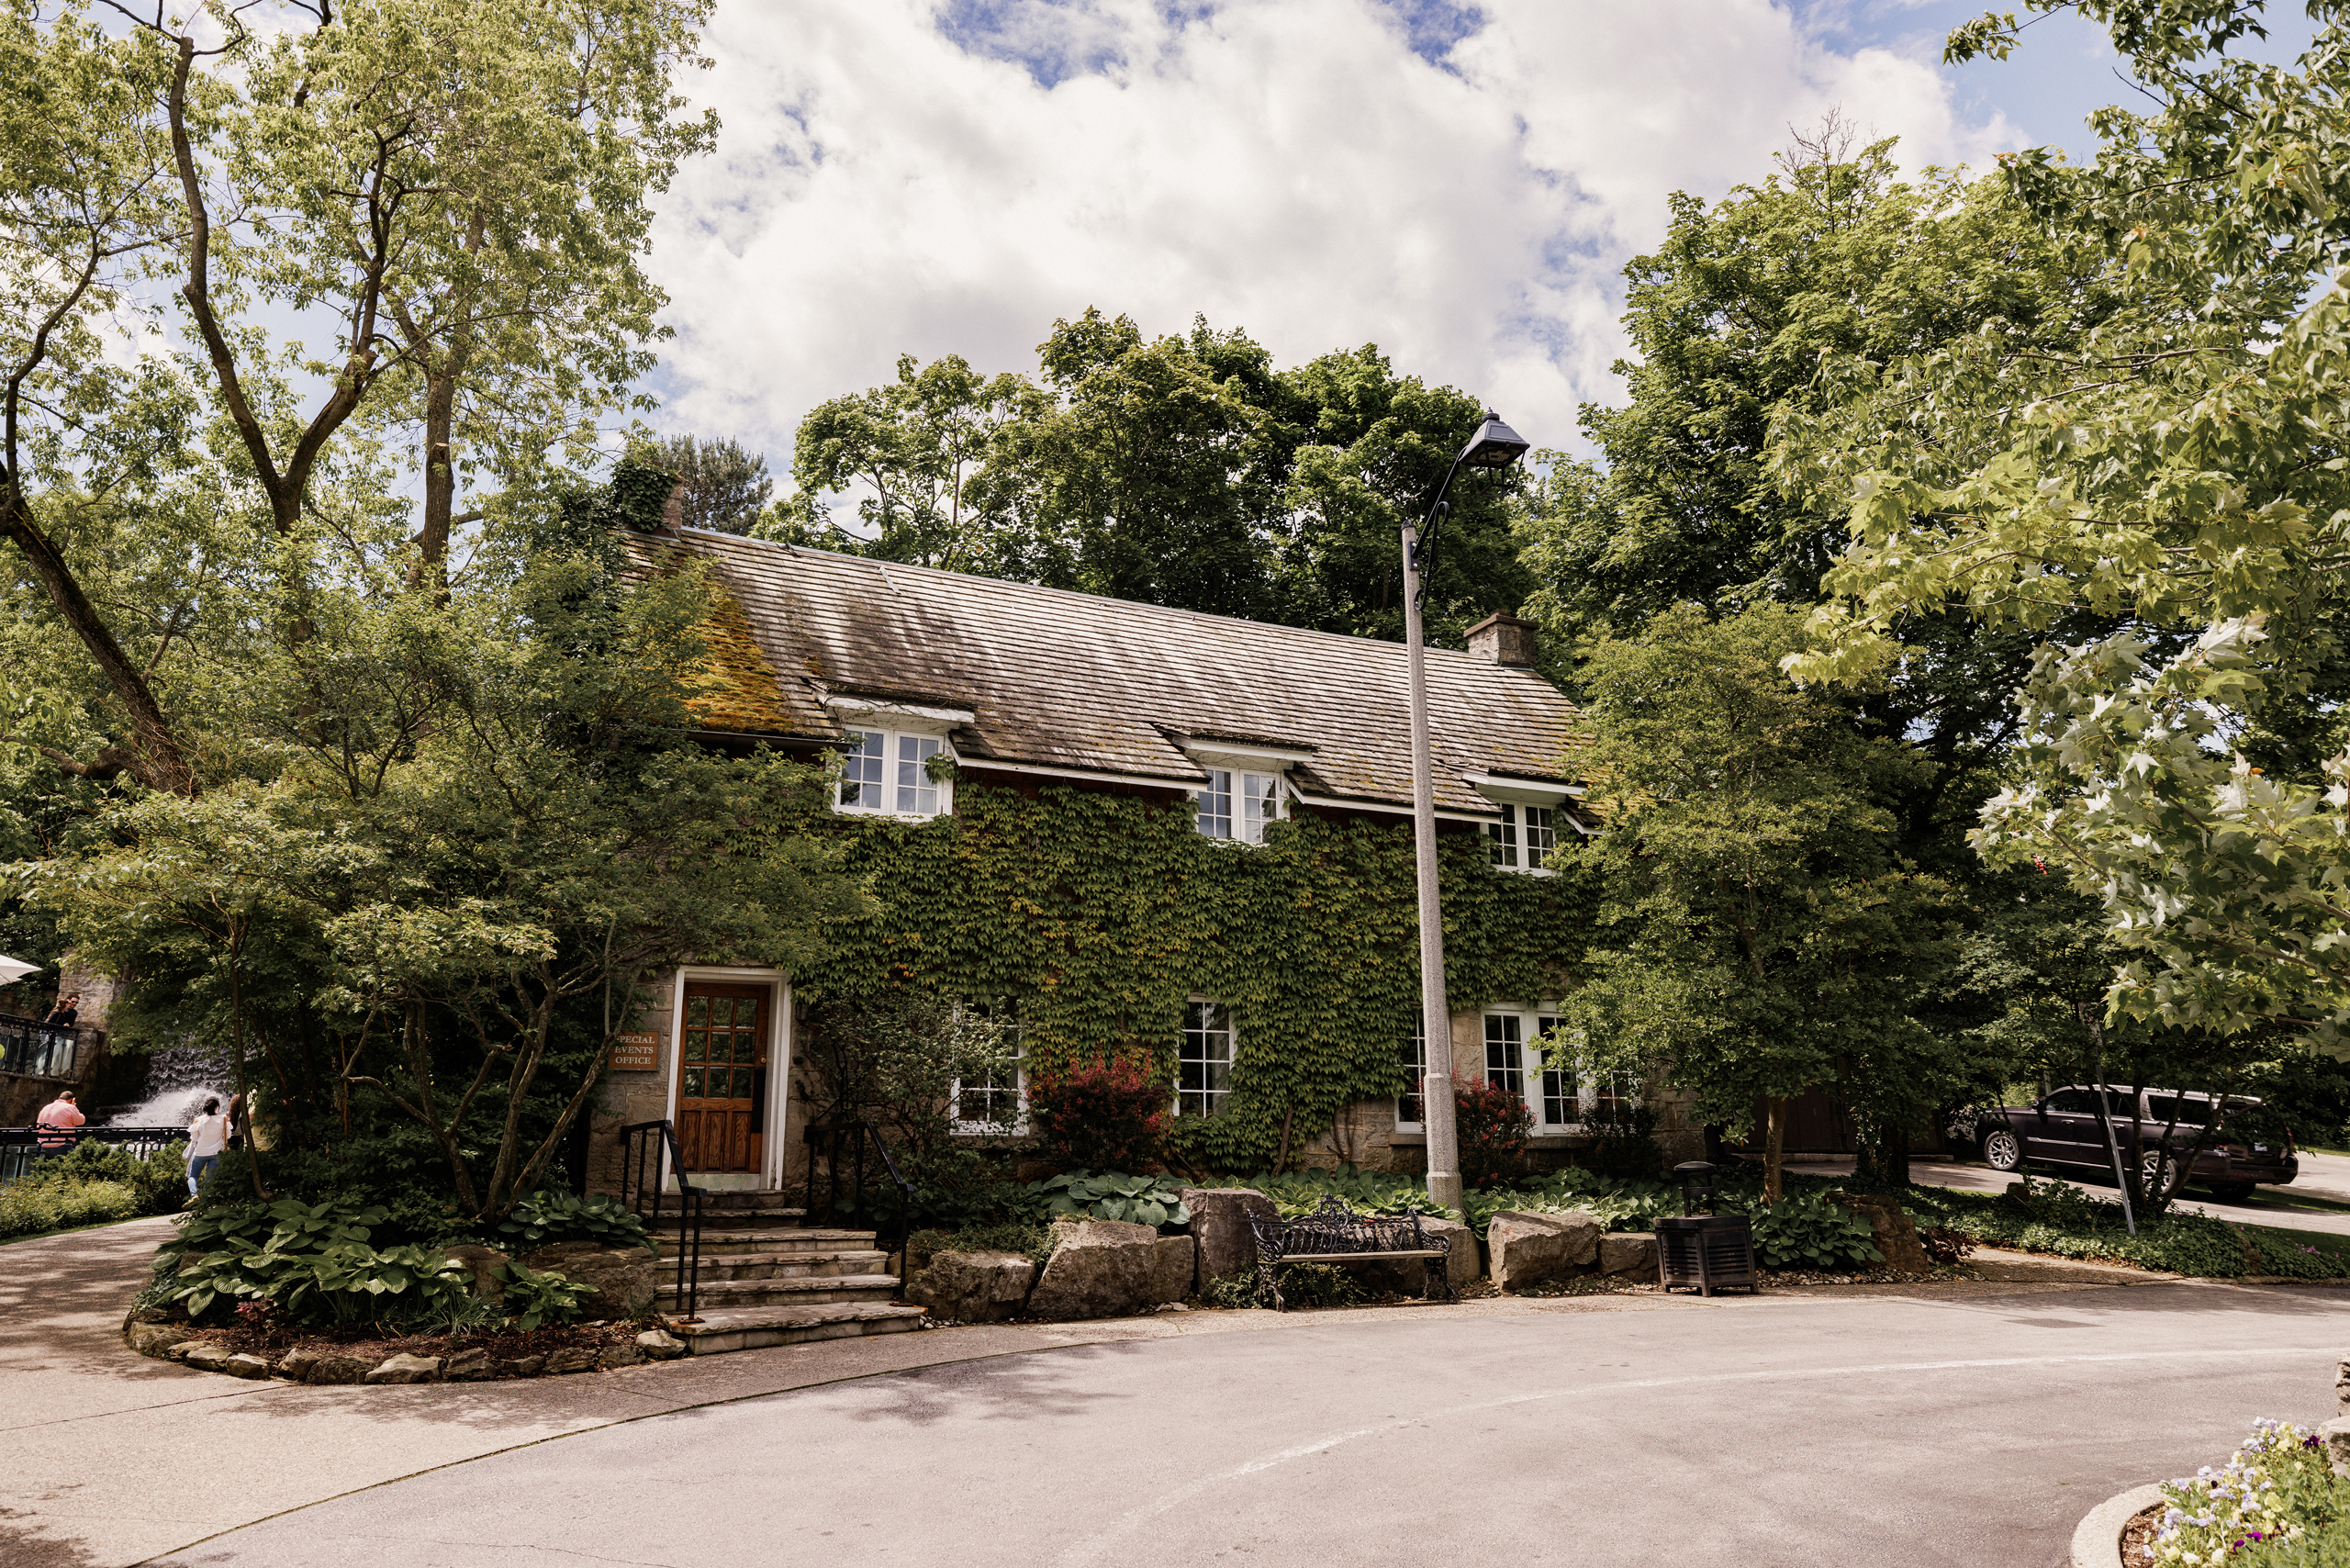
[(1784, 1431)]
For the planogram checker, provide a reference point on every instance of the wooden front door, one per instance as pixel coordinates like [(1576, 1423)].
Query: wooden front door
[(722, 1092)]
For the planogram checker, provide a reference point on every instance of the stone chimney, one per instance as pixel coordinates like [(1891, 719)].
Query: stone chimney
[(673, 510), (1505, 640)]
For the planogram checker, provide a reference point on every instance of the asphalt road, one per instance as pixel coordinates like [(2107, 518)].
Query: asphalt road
[(1770, 1433)]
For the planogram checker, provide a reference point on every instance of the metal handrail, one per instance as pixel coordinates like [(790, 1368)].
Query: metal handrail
[(22, 1147), (857, 1133), (36, 1049), (637, 1147)]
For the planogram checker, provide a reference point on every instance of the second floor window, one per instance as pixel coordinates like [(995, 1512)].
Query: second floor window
[(1238, 805), (885, 771)]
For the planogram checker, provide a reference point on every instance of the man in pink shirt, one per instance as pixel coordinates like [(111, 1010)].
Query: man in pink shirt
[(59, 1113)]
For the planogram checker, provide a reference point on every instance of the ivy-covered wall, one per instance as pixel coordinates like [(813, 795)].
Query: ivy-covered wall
[(1099, 913)]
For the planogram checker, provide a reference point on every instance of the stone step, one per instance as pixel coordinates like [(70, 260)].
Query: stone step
[(754, 1328), (733, 1239), (780, 1293), (789, 1265)]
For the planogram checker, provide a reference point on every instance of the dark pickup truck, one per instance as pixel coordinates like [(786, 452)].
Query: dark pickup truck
[(2064, 1129)]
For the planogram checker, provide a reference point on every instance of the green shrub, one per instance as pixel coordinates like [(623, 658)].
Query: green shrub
[(1365, 1192), (552, 1214), (160, 1180), (1138, 1200), (30, 1208), (315, 1262), (1302, 1285), (1811, 1230), (2046, 1216), (534, 1298)]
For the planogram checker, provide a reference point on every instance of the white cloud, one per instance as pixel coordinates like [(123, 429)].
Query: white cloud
[(1288, 166)]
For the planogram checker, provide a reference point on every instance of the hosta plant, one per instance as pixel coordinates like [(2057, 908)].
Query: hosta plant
[(550, 1215), (1139, 1200), (1807, 1230)]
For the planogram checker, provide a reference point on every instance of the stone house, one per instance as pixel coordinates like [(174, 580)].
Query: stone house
[(951, 704)]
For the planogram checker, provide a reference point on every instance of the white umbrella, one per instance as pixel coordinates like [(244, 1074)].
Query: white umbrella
[(13, 970)]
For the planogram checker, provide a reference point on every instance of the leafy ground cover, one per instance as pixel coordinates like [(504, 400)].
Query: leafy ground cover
[(2054, 1217)]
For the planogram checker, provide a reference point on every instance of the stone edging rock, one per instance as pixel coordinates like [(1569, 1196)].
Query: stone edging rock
[(169, 1341), (2097, 1539)]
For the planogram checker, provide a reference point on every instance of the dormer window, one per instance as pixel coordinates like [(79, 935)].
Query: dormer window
[(1530, 816), (890, 758), (1524, 840), (1246, 790), (882, 770), (1238, 805)]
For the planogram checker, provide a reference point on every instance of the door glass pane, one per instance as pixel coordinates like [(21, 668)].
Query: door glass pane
[(697, 1011), (694, 1047), (746, 1013), (692, 1087)]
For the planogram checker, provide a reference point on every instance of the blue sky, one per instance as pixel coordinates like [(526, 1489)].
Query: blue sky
[(1460, 184)]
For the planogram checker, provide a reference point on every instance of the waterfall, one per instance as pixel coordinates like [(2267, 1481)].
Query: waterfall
[(179, 1079)]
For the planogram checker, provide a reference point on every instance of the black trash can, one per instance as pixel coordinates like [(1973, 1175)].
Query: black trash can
[(1705, 1253)]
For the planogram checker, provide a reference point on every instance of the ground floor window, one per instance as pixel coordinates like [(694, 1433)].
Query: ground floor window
[(1203, 1059), (1413, 1054), (996, 1102), (1516, 1043)]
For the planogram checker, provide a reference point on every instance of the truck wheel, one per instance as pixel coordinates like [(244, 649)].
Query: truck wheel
[(2002, 1150), (2157, 1173)]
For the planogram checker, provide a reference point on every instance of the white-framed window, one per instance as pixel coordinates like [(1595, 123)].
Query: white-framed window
[(999, 1101), (888, 771), (1411, 1113), (1203, 1059), (1516, 1060), (1526, 839), (1237, 806)]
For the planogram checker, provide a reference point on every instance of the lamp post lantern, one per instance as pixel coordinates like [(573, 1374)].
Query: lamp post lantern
[(1494, 445)]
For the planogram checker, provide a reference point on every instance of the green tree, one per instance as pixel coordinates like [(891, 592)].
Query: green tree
[(451, 196), (452, 880), (2179, 471), (1760, 936), (726, 487)]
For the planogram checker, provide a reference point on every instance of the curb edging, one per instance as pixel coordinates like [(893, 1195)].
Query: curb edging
[(2097, 1539)]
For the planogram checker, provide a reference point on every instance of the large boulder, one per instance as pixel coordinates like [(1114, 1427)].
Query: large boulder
[(2342, 1386), (482, 1264), (973, 1287), (2336, 1436), (1099, 1268), (621, 1280), (1220, 1226), (1628, 1253), (1541, 1249), (1895, 1232), (1178, 1262)]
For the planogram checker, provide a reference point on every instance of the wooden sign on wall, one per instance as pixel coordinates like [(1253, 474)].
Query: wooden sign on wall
[(636, 1052)]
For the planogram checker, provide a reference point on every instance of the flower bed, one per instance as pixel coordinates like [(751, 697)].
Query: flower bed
[(2276, 1504)]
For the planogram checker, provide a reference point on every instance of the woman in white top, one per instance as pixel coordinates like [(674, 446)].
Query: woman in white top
[(207, 1136)]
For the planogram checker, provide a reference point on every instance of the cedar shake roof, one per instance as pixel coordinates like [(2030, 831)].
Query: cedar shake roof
[(1056, 679)]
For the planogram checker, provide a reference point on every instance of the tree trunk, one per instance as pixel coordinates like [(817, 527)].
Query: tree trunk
[(430, 571), (1774, 1140), (160, 764)]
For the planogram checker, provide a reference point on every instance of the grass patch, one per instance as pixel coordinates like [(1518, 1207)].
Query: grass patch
[(2055, 1218)]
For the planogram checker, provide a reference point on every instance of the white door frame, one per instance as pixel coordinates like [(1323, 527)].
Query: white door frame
[(780, 1050)]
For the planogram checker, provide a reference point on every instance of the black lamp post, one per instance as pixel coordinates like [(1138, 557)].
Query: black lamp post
[(1494, 445)]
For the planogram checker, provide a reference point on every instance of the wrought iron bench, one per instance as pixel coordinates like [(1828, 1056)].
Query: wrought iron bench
[(1336, 1234)]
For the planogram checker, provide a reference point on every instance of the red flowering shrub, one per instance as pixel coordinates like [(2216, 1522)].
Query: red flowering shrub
[(1494, 1124), (1105, 1116)]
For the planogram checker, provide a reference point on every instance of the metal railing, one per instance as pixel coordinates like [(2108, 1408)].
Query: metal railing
[(641, 1150), (21, 1148), (36, 1049), (856, 1134)]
